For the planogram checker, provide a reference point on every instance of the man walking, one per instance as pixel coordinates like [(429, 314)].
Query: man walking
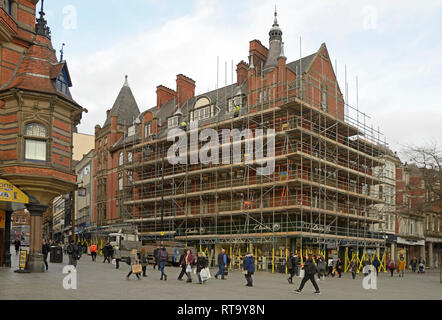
[(94, 250), (354, 268), (156, 257), (310, 270), (45, 250), (249, 269), (414, 264), (182, 266), (17, 245), (222, 264), (73, 253), (376, 264), (163, 255)]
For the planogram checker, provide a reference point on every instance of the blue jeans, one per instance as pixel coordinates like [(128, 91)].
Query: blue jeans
[(162, 265), (220, 271), (296, 268)]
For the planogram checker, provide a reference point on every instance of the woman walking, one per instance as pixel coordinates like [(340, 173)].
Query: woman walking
[(201, 263), (249, 269), (354, 268), (132, 261), (339, 267), (189, 260), (144, 262), (117, 257), (391, 266)]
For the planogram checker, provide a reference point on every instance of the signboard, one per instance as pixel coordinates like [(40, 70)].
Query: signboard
[(10, 193), (2, 219), (22, 259)]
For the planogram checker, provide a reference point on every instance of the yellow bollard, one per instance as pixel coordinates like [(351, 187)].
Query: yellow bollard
[(273, 260), (256, 258), (230, 257), (239, 258), (286, 254)]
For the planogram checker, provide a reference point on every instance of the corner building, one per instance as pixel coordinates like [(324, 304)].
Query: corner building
[(321, 196)]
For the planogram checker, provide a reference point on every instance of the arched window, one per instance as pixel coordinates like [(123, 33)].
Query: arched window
[(121, 159), (35, 142)]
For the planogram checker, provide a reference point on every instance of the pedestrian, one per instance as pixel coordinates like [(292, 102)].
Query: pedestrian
[(45, 250), (201, 263), (222, 264), (93, 249), (421, 266), (310, 270), (401, 266), (249, 269), (339, 267), (330, 267), (105, 251), (291, 263), (376, 264), (189, 260), (156, 257), (163, 256), (72, 250), (322, 267), (391, 266), (182, 266), (143, 259), (17, 245), (117, 257), (110, 252), (354, 267), (413, 264), (133, 260)]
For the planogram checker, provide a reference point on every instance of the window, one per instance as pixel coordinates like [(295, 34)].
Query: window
[(129, 157), (35, 142), (147, 130), (412, 228), (61, 83), (105, 141), (131, 131), (7, 4), (120, 182), (172, 122), (234, 102), (17, 220), (201, 113), (324, 97), (23, 220), (121, 159)]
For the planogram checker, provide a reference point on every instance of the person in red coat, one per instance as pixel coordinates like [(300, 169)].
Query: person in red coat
[(189, 260)]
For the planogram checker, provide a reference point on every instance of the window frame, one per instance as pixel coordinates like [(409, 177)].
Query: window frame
[(39, 138)]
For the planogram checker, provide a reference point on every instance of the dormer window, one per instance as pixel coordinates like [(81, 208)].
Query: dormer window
[(238, 100), (131, 131), (172, 122), (62, 83)]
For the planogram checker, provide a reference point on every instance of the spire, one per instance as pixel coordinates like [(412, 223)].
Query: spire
[(275, 45), (61, 52), (275, 23), (41, 27), (126, 83)]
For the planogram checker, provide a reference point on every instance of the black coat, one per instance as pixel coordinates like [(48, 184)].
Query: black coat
[(45, 249), (310, 267), (201, 263)]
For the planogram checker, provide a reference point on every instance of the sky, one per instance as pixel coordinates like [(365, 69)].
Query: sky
[(393, 48)]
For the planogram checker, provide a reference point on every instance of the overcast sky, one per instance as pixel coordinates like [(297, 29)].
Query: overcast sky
[(394, 48)]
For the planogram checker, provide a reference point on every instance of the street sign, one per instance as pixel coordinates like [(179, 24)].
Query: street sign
[(10, 193), (22, 259)]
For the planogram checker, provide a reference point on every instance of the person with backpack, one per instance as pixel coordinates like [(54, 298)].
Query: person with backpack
[(182, 266), (163, 256), (133, 260), (189, 260), (249, 269), (391, 266), (376, 264), (222, 264), (310, 270), (201, 263), (93, 249)]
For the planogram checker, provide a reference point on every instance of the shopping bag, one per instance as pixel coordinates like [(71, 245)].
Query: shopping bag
[(188, 268), (302, 274), (114, 262), (137, 268), (194, 271), (205, 274)]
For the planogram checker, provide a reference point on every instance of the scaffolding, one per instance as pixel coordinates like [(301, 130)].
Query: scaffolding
[(321, 195)]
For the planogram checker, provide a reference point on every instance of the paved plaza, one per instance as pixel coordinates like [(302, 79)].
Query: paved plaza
[(97, 280)]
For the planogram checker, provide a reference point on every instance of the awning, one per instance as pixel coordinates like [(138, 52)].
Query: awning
[(11, 197), (410, 242)]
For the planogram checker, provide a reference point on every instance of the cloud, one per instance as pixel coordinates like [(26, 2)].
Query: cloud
[(398, 63)]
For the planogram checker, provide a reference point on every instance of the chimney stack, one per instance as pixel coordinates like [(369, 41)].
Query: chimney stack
[(164, 95), (241, 72), (185, 89)]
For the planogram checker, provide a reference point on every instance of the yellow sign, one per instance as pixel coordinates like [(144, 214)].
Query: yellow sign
[(2, 219), (10, 193), (22, 259)]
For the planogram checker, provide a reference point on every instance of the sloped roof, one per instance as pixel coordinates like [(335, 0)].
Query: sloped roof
[(125, 107), (305, 63), (38, 68)]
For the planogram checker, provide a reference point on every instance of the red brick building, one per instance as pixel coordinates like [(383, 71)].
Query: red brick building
[(38, 115)]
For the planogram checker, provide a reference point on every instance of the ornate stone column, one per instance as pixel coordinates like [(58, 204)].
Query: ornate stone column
[(35, 258)]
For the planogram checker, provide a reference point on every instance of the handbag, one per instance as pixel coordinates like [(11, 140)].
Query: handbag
[(137, 268), (302, 273), (114, 262), (188, 268)]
